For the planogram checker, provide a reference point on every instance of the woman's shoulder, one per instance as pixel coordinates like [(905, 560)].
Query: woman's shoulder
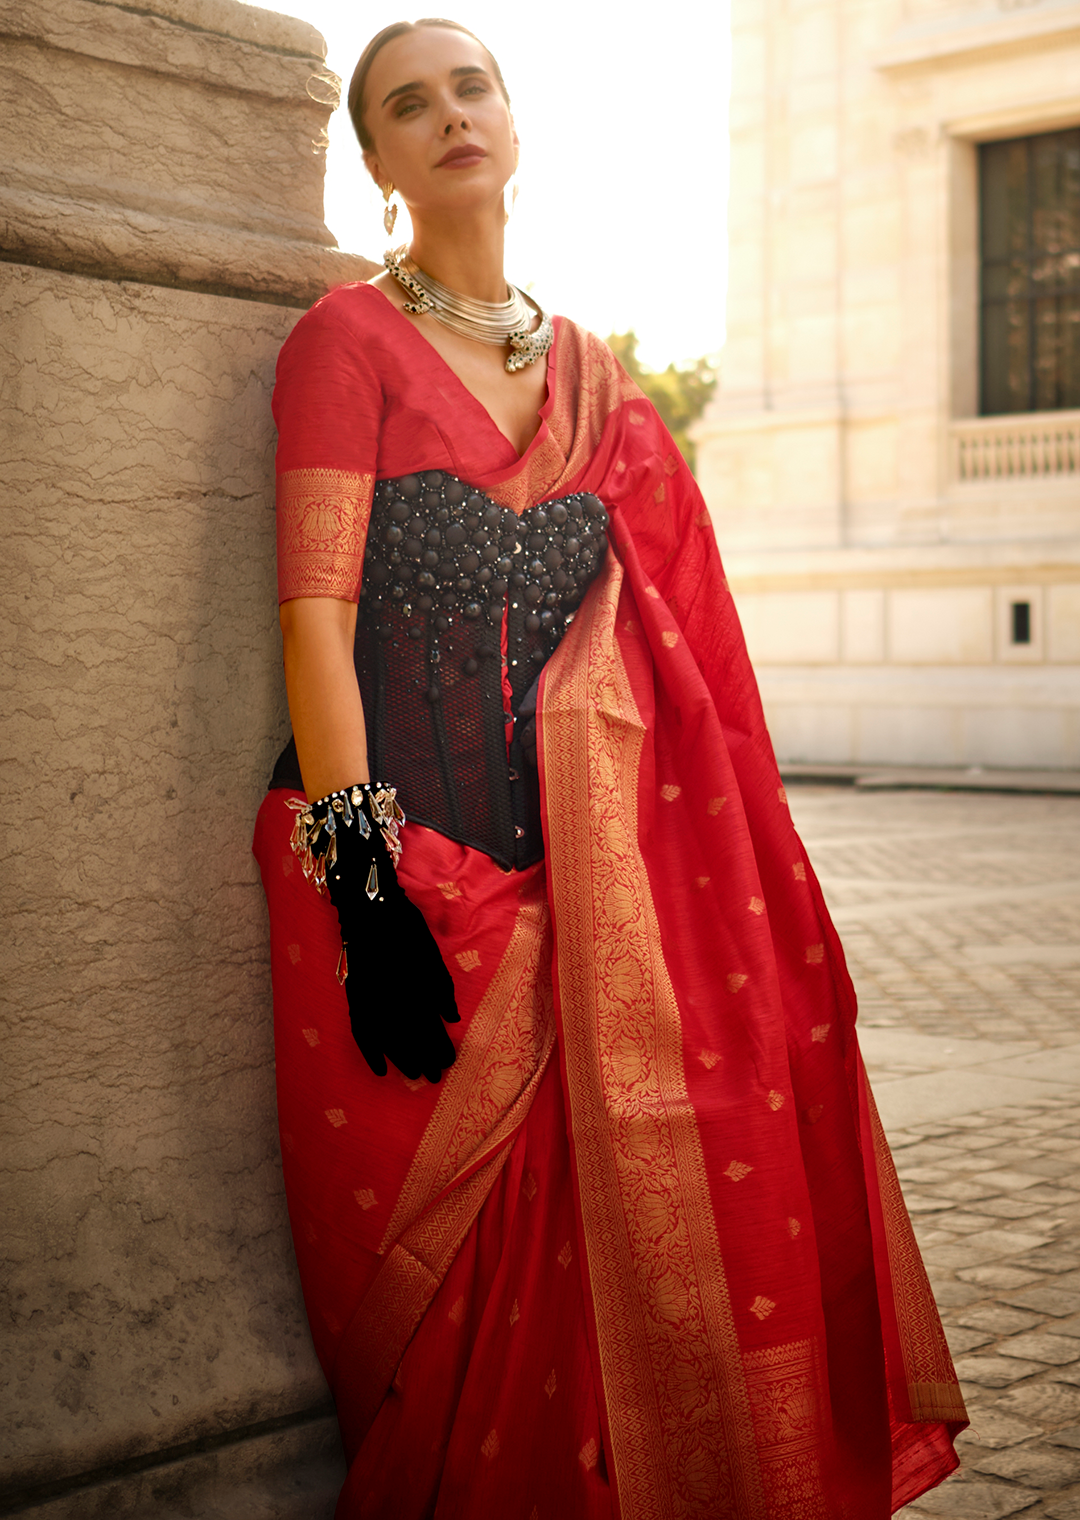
[(349, 328), (356, 308)]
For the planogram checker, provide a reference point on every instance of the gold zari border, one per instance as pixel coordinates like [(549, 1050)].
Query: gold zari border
[(928, 1369), (322, 523), (484, 1098), (679, 1412)]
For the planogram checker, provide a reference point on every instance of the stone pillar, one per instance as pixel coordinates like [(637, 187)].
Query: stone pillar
[(161, 231)]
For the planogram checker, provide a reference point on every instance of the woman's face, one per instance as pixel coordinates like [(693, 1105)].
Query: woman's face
[(443, 134)]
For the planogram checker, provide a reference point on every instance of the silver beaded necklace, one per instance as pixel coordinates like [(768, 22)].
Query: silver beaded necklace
[(495, 322)]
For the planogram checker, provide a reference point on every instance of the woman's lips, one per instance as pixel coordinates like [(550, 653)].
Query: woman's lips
[(461, 158)]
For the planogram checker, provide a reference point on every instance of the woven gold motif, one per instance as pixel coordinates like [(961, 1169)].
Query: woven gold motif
[(681, 1427), (931, 1380), (786, 1393), (322, 522)]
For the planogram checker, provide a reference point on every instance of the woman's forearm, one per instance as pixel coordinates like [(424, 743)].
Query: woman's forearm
[(324, 700)]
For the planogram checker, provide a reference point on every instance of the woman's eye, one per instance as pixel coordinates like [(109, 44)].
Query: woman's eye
[(407, 106)]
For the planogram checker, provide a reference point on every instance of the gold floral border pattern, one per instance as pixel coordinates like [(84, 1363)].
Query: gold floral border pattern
[(504, 1052), (468, 1139), (679, 1412), (928, 1368), (589, 385), (322, 523), (788, 1388)]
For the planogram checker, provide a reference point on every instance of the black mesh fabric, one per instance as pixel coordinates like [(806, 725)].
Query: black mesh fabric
[(443, 565)]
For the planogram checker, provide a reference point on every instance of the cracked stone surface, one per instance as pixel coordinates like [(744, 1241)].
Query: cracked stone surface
[(150, 1296), (150, 1300), (970, 1025)]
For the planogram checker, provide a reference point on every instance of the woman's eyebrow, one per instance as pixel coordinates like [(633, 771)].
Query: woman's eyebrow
[(403, 89), (416, 84)]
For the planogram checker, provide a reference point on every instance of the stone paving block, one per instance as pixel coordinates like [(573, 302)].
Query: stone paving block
[(997, 1319), (972, 1500), (1050, 1404), (960, 1256), (961, 1339), (1006, 1242), (995, 1371), (1050, 1260), (1000, 1277), (1069, 1437), (1069, 1374), (1008, 1181), (1054, 1166), (928, 1232), (1008, 1207), (1013, 1156), (1055, 1300), (928, 1173), (1067, 1507), (963, 1223), (1041, 1466), (919, 1203), (971, 1190), (955, 1295), (1054, 1350), (989, 1427), (964, 1161), (925, 1154), (1071, 1281)]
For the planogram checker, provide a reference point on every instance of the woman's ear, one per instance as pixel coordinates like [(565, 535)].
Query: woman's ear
[(374, 168)]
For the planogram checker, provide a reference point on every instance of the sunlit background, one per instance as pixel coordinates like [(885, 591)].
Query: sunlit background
[(622, 112)]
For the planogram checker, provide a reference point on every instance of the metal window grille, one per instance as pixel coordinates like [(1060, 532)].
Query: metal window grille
[(1029, 203)]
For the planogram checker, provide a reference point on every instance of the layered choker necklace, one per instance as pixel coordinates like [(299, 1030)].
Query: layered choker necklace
[(495, 322)]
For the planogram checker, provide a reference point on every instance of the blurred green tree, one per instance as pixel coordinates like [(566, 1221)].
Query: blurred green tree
[(680, 395)]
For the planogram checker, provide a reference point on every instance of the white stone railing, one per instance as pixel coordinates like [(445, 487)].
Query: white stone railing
[(1021, 446)]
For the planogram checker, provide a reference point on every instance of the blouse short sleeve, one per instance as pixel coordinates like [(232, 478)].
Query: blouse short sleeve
[(328, 406)]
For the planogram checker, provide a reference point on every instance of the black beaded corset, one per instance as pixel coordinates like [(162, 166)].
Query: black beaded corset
[(443, 564)]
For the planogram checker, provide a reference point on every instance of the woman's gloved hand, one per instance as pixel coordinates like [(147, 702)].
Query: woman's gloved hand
[(399, 990)]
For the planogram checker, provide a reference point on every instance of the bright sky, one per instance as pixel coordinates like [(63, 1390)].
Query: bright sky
[(622, 113)]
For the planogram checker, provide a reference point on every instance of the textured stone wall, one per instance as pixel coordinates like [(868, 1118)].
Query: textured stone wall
[(156, 1358)]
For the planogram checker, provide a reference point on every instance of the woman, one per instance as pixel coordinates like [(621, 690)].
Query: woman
[(617, 1233)]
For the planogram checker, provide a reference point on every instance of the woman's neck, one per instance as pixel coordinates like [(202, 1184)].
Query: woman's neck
[(466, 256)]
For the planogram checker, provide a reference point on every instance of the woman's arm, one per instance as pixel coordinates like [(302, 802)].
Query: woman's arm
[(324, 700)]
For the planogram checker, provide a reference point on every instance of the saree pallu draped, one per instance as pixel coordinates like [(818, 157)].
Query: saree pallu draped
[(642, 1253)]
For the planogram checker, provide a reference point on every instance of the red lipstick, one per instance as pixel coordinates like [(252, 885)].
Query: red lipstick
[(465, 154)]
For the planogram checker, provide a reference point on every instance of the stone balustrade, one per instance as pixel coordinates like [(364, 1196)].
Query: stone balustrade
[(1020, 446)]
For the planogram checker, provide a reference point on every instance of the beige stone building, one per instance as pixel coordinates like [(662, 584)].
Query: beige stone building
[(893, 460)]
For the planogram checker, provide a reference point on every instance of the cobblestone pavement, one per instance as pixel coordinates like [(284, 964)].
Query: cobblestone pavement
[(960, 914)]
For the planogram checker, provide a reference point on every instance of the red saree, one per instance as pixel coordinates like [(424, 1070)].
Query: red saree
[(642, 1252)]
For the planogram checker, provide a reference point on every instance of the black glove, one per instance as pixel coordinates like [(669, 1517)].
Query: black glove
[(400, 992)]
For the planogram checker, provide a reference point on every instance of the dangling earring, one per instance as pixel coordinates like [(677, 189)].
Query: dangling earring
[(513, 188), (390, 214)]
